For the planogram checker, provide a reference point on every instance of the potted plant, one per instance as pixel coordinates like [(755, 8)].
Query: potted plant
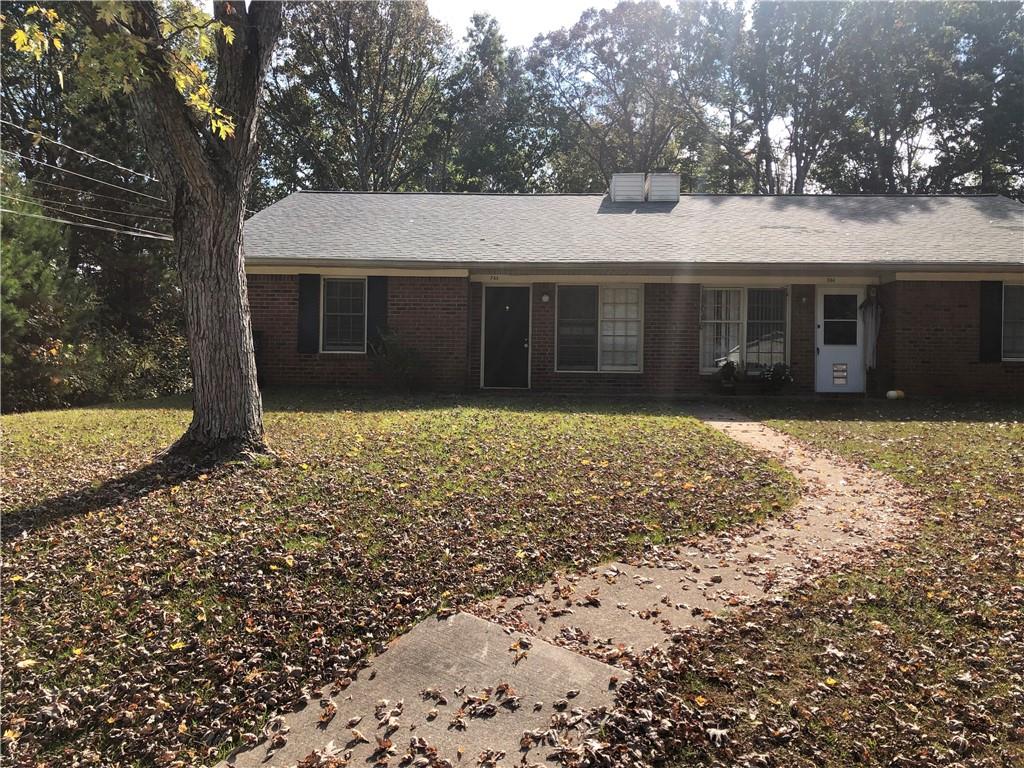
[(727, 377), (775, 378)]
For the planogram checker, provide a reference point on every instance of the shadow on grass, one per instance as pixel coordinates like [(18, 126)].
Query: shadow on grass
[(878, 410), (81, 501), (778, 406)]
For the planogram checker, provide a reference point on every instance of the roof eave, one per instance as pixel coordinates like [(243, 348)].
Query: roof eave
[(646, 267)]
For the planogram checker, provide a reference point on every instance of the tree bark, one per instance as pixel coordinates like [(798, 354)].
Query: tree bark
[(227, 411)]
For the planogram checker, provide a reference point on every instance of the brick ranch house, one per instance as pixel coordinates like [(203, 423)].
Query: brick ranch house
[(641, 291)]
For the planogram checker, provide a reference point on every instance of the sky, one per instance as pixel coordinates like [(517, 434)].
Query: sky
[(520, 20)]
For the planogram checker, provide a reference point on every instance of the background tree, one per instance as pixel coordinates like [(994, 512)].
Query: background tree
[(977, 97), (879, 146), (612, 74), (713, 90), (805, 72), (364, 116), (131, 322), (495, 134)]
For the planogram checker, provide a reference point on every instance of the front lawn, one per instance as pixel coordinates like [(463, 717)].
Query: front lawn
[(917, 660), (152, 616)]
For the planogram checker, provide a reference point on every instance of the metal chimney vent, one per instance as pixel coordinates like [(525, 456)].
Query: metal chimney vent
[(663, 187), (627, 188)]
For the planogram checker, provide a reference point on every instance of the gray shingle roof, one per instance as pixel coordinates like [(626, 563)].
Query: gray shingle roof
[(555, 231)]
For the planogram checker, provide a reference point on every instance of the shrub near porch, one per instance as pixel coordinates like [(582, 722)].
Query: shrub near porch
[(160, 618)]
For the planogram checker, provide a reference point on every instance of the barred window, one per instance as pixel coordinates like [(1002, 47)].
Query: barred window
[(720, 326), (745, 326), (766, 327), (577, 328)]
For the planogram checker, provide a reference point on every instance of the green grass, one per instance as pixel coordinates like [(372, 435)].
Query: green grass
[(146, 616), (906, 629)]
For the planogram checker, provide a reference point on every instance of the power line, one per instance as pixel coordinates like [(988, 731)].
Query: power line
[(140, 230), (83, 176), (79, 151), (34, 182), (105, 221), (62, 203), (90, 226)]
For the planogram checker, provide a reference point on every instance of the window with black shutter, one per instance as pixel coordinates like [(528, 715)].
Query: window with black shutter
[(1013, 322), (343, 326)]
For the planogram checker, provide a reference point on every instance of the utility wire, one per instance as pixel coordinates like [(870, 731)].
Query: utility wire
[(83, 176), (90, 226), (82, 191), (63, 204), (41, 201), (107, 221), (79, 151)]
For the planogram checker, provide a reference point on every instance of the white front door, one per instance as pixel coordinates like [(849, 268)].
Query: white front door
[(839, 339)]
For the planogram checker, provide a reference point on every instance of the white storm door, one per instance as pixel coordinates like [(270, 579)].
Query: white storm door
[(839, 339)]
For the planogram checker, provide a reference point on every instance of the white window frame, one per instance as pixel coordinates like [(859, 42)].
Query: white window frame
[(323, 307), (1002, 325), (742, 321), (600, 304)]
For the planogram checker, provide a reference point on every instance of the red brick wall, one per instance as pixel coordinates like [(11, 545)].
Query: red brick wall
[(427, 313), (430, 314), (929, 342), (801, 331), (476, 308), (670, 346)]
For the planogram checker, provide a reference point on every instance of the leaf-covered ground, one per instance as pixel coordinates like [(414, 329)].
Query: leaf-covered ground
[(917, 660), (156, 617)]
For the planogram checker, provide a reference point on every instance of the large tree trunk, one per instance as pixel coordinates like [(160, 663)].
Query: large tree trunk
[(207, 179), (227, 415)]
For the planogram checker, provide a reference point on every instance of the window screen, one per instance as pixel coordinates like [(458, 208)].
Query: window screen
[(766, 327), (577, 328), (344, 316), (1013, 322)]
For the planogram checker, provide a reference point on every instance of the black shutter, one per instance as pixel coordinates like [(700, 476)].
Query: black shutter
[(376, 309), (990, 347), (309, 313)]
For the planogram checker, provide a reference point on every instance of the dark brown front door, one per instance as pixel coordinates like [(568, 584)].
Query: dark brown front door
[(506, 337)]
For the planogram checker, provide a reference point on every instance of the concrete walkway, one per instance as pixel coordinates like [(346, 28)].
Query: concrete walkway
[(461, 688), (845, 513), (505, 686)]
